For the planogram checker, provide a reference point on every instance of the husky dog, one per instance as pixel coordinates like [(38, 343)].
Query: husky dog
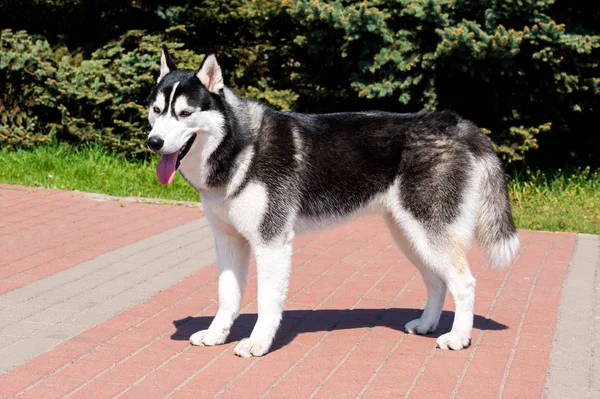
[(264, 175)]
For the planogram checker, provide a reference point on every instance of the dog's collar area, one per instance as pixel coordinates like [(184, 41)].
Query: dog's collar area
[(185, 150)]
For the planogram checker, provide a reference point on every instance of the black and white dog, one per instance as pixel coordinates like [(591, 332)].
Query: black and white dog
[(264, 175)]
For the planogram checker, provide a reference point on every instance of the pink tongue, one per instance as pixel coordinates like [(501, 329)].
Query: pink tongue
[(165, 170)]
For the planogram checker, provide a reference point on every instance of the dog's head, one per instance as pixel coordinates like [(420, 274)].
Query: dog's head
[(182, 106)]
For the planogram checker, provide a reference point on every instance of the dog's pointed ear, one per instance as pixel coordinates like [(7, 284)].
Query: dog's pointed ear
[(210, 74), (166, 63)]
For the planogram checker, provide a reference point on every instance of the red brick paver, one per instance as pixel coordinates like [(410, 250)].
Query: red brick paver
[(342, 335), (45, 231)]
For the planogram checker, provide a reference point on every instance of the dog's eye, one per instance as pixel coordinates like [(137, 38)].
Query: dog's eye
[(156, 109), (185, 113)]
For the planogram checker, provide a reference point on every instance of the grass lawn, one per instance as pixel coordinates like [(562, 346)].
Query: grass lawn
[(93, 170), (555, 202), (561, 201)]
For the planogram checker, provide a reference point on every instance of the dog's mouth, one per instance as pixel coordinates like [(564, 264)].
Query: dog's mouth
[(169, 163), (184, 150)]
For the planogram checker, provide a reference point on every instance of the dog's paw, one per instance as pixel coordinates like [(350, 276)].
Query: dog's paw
[(249, 347), (453, 341), (208, 337), (420, 326)]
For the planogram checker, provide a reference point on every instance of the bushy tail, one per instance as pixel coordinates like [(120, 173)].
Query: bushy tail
[(496, 232)]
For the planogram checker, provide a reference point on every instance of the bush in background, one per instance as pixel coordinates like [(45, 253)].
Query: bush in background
[(525, 71), (26, 65), (507, 65), (100, 100)]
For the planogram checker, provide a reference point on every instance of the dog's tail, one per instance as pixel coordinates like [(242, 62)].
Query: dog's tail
[(496, 232)]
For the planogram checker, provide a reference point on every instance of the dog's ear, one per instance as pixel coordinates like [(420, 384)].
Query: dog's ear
[(166, 63), (210, 74)]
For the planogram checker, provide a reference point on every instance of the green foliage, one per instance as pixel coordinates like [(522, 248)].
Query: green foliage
[(526, 71), (252, 40), (89, 168), (101, 100), (24, 65), (558, 201), (505, 64)]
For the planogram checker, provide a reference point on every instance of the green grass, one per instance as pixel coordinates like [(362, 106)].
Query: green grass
[(559, 201), (92, 170)]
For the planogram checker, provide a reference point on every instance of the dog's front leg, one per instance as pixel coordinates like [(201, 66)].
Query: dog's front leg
[(233, 255), (273, 264)]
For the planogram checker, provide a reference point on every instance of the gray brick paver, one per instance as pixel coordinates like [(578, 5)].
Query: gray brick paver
[(61, 331), (91, 317), (572, 371), (17, 311), (95, 274), (6, 340), (49, 311), (144, 271), (24, 349), (24, 328), (99, 264)]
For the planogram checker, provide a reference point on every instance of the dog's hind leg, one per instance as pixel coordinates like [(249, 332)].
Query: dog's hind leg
[(436, 288), (273, 263), (444, 257), (233, 255)]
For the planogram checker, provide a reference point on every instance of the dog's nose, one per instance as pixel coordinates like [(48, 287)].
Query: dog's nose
[(155, 143)]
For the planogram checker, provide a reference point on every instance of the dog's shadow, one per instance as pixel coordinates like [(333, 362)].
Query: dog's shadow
[(296, 322)]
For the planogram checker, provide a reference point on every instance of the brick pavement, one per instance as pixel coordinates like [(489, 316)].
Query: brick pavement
[(351, 292), (55, 230)]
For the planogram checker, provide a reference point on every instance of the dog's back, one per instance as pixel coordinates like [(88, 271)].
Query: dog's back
[(330, 166)]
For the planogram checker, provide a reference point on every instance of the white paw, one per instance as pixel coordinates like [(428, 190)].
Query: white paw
[(420, 326), (453, 341), (209, 337), (249, 347)]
